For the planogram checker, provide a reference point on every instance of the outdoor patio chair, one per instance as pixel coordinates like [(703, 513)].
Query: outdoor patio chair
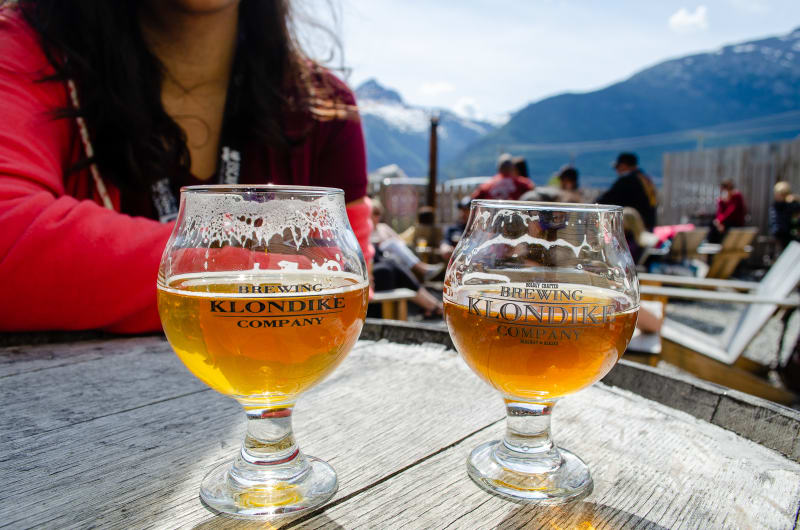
[(718, 358), (734, 248), (685, 244), (394, 303)]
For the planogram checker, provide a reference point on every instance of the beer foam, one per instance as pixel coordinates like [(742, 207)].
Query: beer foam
[(218, 219), (530, 240)]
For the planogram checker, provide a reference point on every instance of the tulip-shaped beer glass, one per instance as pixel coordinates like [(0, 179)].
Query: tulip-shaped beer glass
[(541, 300), (262, 292)]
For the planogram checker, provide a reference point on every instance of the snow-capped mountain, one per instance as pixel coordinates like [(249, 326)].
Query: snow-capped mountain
[(397, 133), (741, 93)]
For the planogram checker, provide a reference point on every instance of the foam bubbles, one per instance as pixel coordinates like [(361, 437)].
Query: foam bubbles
[(218, 219)]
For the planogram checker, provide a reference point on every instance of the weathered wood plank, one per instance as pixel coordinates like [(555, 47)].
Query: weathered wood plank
[(653, 467), (387, 411), (690, 394), (385, 408), (19, 359), (73, 387)]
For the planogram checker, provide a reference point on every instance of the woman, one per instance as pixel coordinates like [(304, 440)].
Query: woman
[(520, 167), (731, 211), (109, 107)]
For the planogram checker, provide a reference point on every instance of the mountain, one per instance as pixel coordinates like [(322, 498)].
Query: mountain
[(741, 93), (398, 133)]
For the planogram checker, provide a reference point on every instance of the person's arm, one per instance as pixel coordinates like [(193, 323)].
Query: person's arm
[(725, 210), (65, 263), (359, 213)]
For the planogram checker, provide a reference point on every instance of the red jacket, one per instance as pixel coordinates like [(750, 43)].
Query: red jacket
[(66, 262), (502, 187), (731, 212)]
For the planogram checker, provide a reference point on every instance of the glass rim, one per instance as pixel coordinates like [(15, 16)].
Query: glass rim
[(539, 205), (319, 191)]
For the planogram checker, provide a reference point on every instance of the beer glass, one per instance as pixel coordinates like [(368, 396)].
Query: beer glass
[(262, 291), (541, 300)]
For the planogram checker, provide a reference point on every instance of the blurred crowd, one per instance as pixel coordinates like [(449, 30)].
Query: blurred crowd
[(419, 255)]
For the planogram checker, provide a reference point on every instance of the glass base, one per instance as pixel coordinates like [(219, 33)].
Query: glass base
[(312, 488), (557, 478)]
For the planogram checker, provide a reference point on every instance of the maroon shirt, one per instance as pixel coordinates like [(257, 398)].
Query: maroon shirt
[(731, 212), (332, 154)]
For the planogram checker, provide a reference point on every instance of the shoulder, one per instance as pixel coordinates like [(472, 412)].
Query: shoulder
[(330, 99), (625, 182), (336, 88), (489, 183), (19, 42), (524, 182)]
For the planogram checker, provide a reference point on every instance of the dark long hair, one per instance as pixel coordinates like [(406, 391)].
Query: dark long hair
[(99, 45)]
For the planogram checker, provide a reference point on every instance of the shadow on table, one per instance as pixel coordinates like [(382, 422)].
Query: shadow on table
[(578, 515), (220, 523)]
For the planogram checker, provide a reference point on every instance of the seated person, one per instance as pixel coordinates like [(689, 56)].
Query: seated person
[(731, 211), (568, 183), (425, 233), (390, 245), (520, 168), (99, 135), (636, 236), (389, 274)]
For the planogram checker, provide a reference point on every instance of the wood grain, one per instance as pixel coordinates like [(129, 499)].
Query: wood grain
[(653, 467), (118, 434), (133, 466)]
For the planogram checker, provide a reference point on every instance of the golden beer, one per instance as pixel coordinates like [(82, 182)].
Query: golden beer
[(266, 337), (540, 341)]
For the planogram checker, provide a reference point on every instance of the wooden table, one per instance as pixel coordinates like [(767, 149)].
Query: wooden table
[(115, 433)]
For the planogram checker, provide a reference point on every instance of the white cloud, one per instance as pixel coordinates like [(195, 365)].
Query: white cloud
[(467, 107), (684, 20), (436, 88)]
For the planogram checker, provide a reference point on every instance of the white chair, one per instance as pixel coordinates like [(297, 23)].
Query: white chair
[(717, 358), (762, 299)]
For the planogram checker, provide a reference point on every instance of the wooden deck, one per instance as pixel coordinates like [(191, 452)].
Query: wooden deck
[(115, 433)]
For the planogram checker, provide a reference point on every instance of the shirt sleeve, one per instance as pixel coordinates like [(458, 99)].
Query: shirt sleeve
[(343, 158), (65, 263), (725, 209)]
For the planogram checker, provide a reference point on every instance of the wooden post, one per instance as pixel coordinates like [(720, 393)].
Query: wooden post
[(432, 162)]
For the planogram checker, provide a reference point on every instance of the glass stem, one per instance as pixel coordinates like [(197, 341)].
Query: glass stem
[(269, 451), (527, 445)]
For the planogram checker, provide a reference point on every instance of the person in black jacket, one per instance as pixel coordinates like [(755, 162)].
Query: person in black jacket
[(784, 215), (633, 188)]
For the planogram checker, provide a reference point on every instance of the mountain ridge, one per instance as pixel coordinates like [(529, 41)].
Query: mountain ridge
[(737, 82), (398, 133)]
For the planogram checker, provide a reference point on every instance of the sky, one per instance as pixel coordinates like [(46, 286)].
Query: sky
[(485, 58)]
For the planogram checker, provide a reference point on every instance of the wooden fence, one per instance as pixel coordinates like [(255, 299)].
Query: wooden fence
[(401, 197), (690, 184)]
